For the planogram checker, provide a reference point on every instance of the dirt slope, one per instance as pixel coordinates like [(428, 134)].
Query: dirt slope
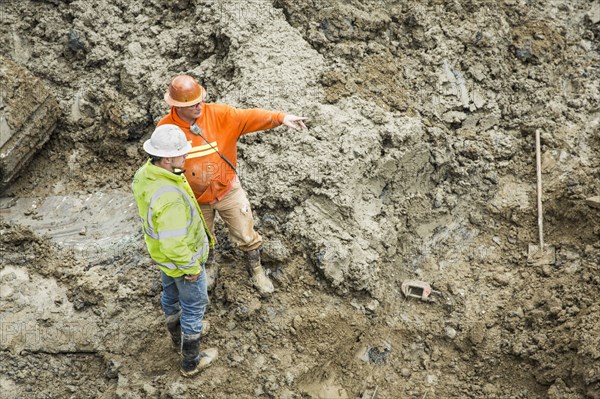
[(418, 164)]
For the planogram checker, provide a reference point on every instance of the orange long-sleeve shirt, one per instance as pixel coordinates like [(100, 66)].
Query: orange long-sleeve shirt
[(222, 125)]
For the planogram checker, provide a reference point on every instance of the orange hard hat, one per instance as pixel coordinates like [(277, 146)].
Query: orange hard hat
[(184, 91)]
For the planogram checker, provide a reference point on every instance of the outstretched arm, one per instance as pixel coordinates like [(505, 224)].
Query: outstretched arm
[(254, 119)]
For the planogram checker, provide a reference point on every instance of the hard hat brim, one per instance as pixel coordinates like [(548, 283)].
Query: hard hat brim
[(151, 150), (175, 103)]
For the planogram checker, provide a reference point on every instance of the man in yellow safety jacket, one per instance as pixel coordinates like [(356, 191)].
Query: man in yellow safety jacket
[(178, 240)]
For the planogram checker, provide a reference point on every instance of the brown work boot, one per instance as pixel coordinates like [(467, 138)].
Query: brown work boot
[(261, 282)]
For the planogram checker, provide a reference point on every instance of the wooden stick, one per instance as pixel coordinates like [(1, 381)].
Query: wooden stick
[(538, 159)]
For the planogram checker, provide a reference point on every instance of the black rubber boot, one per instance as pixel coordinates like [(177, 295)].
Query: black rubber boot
[(193, 360), (174, 328)]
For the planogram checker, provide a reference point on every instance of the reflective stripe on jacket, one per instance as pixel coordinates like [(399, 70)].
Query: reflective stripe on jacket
[(174, 229)]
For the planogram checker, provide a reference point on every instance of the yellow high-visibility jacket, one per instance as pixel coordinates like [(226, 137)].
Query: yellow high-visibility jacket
[(174, 230)]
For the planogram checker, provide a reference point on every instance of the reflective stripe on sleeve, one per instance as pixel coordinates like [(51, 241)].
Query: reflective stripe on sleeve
[(172, 233)]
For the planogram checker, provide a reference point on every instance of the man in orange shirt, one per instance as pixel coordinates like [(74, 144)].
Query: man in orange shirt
[(213, 131)]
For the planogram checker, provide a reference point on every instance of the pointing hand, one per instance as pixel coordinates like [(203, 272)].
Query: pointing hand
[(290, 119)]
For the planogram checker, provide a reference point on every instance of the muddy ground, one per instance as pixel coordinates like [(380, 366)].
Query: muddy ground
[(418, 163)]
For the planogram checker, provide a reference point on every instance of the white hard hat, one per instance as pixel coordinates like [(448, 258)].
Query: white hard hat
[(167, 141)]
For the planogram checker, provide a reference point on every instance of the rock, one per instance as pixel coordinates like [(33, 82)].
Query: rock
[(258, 391), (177, 391), (454, 117), (356, 305), (594, 202), (569, 255), (237, 359), (135, 49), (478, 100), (554, 306), (297, 322), (379, 354), (546, 270), (454, 84), (594, 13), (27, 119), (76, 41), (524, 54), (431, 379), (589, 249), (405, 372), (450, 332), (519, 312), (372, 306), (477, 333), (112, 369), (475, 218), (502, 279), (149, 390), (488, 122)]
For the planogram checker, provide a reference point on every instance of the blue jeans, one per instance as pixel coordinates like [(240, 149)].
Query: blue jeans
[(191, 298)]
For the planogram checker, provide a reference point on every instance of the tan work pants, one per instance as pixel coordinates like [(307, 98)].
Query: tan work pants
[(235, 211)]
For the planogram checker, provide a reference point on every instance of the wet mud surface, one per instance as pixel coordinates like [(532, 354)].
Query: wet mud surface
[(419, 163)]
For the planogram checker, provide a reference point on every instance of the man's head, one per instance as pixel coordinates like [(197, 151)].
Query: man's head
[(168, 147), (186, 95)]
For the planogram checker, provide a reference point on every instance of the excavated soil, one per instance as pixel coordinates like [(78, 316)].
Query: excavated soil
[(419, 163)]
